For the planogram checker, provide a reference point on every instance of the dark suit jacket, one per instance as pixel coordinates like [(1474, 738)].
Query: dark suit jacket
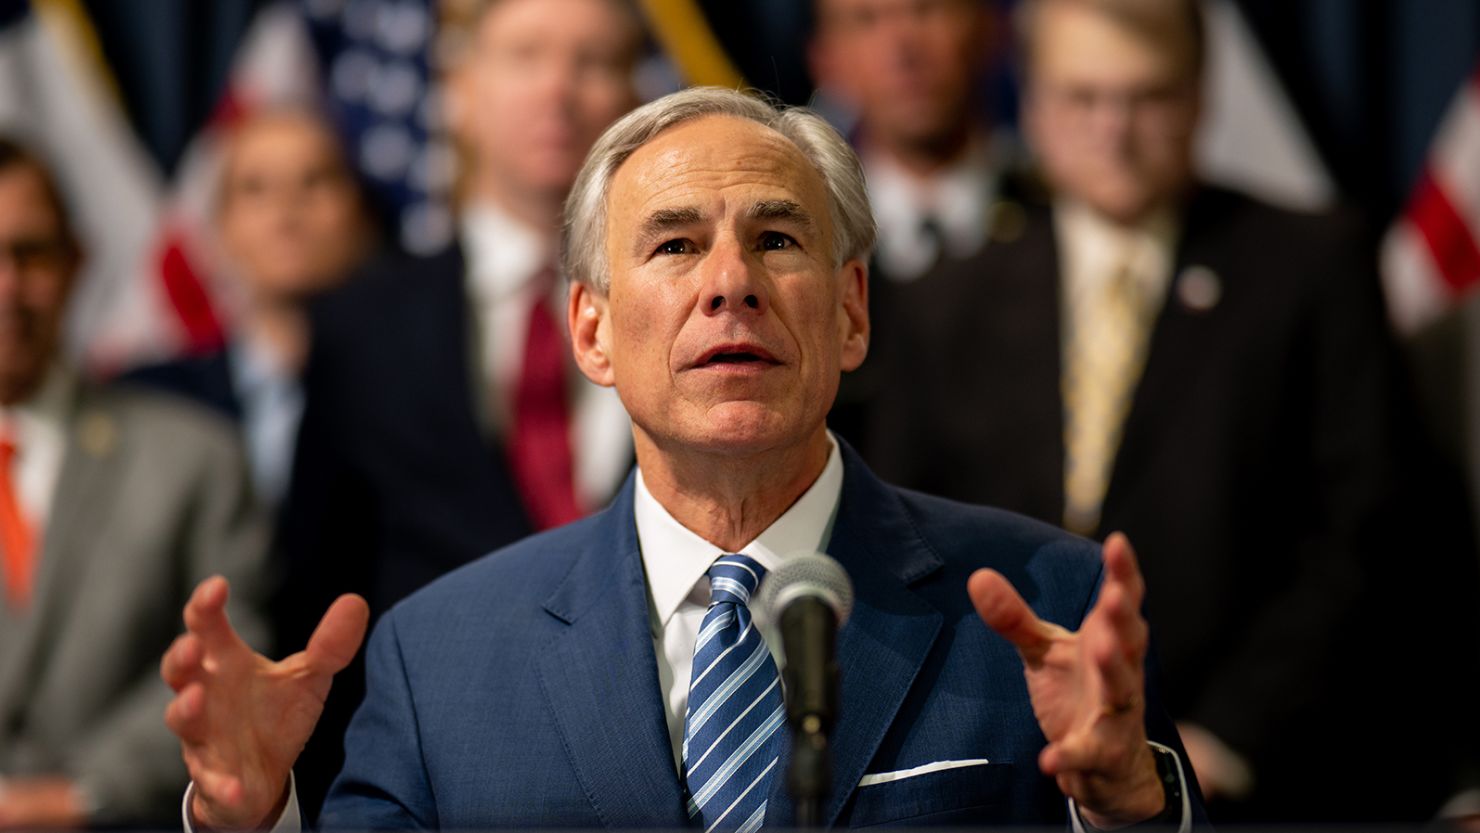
[(394, 480), (522, 691), (1256, 475), (205, 379)]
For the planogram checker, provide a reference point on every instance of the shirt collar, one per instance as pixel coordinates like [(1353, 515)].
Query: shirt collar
[(254, 368), (503, 254), (1145, 248), (676, 559), (46, 410), (956, 196)]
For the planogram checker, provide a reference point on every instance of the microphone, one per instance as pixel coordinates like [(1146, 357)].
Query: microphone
[(804, 602)]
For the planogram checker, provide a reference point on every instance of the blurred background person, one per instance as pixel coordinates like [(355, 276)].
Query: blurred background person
[(113, 504), (1214, 376), (912, 72), (445, 416), (293, 224)]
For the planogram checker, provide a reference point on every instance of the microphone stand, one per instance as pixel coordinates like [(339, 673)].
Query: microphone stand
[(809, 631)]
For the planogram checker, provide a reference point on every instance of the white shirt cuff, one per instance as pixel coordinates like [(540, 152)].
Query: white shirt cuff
[(1079, 825), (291, 821)]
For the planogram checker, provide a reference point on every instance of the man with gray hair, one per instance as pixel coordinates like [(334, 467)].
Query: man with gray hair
[(607, 673)]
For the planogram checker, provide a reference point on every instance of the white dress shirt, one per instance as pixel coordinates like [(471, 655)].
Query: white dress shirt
[(676, 561), (272, 399), (38, 427), (957, 198), (1092, 249), (504, 257)]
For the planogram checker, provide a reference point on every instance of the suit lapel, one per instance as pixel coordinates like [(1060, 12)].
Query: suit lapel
[(887, 637), (86, 486), (1029, 363), (1178, 348), (600, 680)]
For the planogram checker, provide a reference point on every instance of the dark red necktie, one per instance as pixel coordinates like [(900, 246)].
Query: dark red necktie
[(539, 447)]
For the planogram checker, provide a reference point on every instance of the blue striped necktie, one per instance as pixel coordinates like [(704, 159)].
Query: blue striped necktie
[(732, 734)]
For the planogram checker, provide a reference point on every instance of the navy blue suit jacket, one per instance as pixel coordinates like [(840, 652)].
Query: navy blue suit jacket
[(522, 690), (205, 379)]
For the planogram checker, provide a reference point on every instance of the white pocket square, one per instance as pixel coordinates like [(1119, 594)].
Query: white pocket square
[(924, 769)]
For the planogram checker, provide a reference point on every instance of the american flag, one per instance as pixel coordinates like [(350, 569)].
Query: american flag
[(1431, 256), (381, 92)]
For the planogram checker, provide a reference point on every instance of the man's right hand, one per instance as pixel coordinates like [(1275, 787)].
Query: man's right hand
[(242, 719)]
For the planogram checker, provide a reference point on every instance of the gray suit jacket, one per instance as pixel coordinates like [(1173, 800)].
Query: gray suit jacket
[(152, 497)]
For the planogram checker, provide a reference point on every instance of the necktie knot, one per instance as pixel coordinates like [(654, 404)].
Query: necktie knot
[(733, 579)]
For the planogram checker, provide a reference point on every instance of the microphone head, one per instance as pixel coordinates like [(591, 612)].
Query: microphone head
[(814, 575)]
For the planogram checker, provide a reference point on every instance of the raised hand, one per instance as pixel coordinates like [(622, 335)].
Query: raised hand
[(242, 719), (1087, 689)]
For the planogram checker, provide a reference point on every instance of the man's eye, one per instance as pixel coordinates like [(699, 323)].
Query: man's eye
[(675, 247), (775, 241)]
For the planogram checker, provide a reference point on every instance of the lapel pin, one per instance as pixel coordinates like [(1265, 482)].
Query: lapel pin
[(1006, 221), (1199, 289), (97, 434)]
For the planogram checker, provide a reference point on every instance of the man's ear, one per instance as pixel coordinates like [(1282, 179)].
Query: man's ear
[(590, 332), (854, 324)]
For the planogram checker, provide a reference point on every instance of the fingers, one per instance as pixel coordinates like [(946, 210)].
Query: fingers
[(339, 634), (1117, 645), (205, 616), (1121, 567), (1090, 753), (183, 662), (216, 789), (1005, 612), (185, 715)]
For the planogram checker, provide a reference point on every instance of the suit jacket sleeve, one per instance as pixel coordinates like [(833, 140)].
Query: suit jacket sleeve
[(384, 784)]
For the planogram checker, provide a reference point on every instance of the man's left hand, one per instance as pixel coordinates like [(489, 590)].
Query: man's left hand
[(36, 803), (1087, 689)]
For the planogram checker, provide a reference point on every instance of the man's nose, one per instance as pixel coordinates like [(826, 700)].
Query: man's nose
[(733, 281)]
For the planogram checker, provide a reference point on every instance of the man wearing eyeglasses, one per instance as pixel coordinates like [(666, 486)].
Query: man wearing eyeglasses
[(113, 503), (1210, 374)]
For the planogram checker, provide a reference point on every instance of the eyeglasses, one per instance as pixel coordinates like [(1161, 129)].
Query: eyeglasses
[(1156, 107), (34, 254)]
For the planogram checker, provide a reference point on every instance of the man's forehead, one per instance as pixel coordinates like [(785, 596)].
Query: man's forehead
[(718, 155), (26, 200)]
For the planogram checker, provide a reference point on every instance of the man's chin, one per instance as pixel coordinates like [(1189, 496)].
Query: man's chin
[(18, 381)]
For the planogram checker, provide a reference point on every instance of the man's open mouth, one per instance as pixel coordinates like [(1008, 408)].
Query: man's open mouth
[(737, 355)]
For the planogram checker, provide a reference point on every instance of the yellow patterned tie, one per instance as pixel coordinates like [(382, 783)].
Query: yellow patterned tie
[(1105, 347)]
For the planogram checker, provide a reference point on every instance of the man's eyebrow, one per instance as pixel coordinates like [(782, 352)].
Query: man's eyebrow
[(665, 220), (784, 210)]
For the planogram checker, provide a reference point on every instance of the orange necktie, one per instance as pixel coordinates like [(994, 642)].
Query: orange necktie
[(16, 543)]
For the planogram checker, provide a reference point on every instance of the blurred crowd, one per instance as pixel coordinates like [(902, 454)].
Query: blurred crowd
[(1069, 324)]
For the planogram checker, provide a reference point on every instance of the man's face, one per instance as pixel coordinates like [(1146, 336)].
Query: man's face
[(908, 65), (543, 80), (726, 324), (37, 266), (1110, 115), (290, 213)]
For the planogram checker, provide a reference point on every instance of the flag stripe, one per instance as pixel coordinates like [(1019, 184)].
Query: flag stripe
[(188, 298), (1449, 239)]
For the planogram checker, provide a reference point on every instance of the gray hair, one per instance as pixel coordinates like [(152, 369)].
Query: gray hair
[(584, 252)]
